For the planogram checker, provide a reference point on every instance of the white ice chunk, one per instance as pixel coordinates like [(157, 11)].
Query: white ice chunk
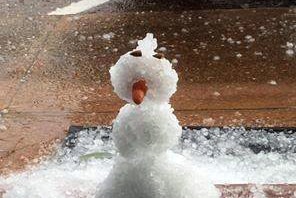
[(289, 45), (108, 36), (290, 52), (216, 58), (272, 82)]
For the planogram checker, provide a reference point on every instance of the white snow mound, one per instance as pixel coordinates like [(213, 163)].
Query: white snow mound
[(168, 175)]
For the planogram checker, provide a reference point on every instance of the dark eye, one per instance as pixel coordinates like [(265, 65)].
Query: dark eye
[(159, 55), (136, 53)]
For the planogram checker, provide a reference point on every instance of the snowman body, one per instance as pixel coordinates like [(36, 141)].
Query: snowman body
[(144, 133)]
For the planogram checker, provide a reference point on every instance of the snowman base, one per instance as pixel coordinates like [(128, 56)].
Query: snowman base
[(168, 175)]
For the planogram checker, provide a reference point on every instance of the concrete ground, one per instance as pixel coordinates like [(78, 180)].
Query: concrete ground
[(232, 65)]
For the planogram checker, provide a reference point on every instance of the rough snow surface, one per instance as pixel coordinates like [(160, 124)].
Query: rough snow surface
[(147, 129), (227, 156), (240, 156), (77, 7)]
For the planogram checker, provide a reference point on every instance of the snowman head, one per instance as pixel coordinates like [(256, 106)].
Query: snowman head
[(142, 75)]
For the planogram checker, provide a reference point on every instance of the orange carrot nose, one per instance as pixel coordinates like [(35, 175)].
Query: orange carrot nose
[(139, 91)]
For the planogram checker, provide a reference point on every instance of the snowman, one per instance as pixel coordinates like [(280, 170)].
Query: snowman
[(145, 130)]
